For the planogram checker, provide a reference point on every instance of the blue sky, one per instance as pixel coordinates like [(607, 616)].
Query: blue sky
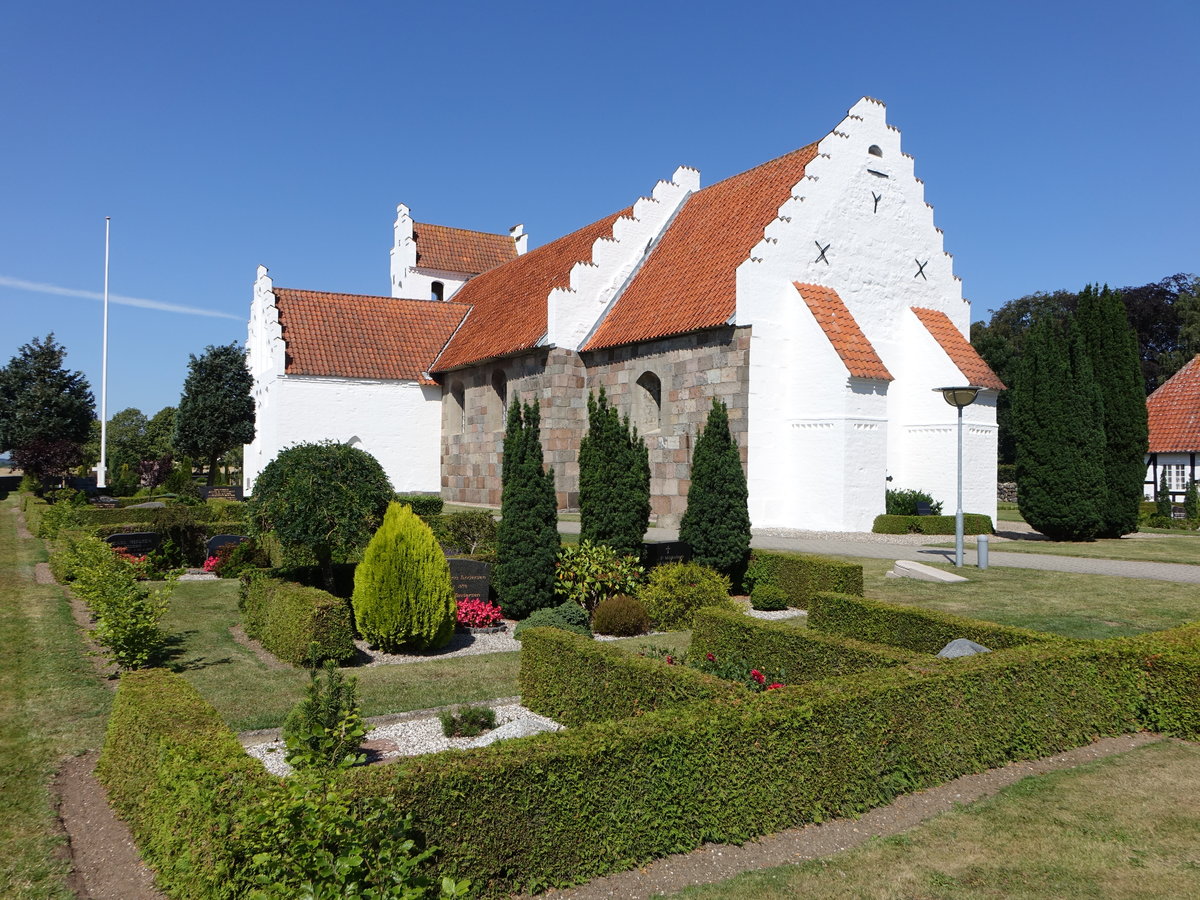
[(1057, 141)]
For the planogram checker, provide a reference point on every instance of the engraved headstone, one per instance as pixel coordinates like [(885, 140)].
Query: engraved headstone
[(222, 492), (217, 541), (137, 543), (471, 578), (106, 503), (657, 553)]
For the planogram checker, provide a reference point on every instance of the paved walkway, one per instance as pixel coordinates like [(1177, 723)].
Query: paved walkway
[(863, 545)]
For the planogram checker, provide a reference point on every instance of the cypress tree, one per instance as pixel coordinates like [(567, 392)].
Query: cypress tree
[(716, 524), (614, 480), (1162, 497), (527, 538), (1111, 346), (1191, 501), (1059, 440)]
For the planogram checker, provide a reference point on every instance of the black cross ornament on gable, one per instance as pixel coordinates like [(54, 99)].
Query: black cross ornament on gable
[(821, 256), (921, 268), (877, 197)]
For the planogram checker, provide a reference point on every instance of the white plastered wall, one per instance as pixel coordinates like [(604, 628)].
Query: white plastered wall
[(868, 213)]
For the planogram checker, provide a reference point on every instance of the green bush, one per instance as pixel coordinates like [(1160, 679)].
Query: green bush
[(588, 574), (768, 597), (569, 616), (973, 523), (614, 479), (921, 630), (421, 504), (1006, 473), (674, 592), (402, 592), (325, 730), (904, 502), (622, 616), (796, 654), (468, 721), (802, 576), (470, 533), (59, 516), (301, 625)]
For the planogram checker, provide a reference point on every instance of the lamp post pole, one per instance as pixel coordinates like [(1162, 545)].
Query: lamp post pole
[(102, 469), (959, 397)]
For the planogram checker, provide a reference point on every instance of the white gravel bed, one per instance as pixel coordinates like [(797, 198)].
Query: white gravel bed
[(861, 537), (462, 644), (415, 736)]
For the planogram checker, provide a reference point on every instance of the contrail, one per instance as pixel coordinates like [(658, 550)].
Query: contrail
[(40, 288)]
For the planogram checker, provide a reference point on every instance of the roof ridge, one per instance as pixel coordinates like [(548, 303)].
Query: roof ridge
[(499, 234), (782, 156), (369, 296)]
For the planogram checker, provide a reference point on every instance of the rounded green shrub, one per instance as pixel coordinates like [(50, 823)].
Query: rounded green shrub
[(675, 591), (621, 616), (402, 592), (768, 597), (567, 616)]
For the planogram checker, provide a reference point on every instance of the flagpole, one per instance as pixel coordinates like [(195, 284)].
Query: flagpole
[(102, 468)]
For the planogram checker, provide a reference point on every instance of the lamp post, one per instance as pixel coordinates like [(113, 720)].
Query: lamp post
[(958, 397)]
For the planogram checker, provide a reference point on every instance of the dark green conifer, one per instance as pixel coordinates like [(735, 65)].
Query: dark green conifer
[(1111, 346), (1162, 497), (527, 538), (614, 480), (1059, 440), (1191, 501), (716, 524)]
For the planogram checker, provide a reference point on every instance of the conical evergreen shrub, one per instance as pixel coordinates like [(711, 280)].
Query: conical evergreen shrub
[(527, 537), (403, 598), (614, 480), (716, 524)]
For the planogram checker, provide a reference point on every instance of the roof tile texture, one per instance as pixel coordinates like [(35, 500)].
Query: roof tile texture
[(1174, 412), (689, 280), (459, 250), (509, 302), (356, 336), (958, 348), (843, 332)]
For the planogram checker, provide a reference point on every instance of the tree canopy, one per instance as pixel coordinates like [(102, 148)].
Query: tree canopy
[(41, 400), (216, 411)]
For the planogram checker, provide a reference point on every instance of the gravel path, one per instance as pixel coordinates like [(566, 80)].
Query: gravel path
[(462, 644)]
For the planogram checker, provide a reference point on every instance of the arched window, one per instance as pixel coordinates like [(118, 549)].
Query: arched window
[(437, 291), (874, 150), (456, 410), (498, 404), (647, 403)]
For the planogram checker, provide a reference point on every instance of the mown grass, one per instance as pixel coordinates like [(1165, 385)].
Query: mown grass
[(1123, 827), (1180, 547), (52, 705), (1008, 512)]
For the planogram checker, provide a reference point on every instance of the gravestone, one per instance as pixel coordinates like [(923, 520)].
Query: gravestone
[(136, 543), (961, 647), (106, 503), (657, 553), (153, 504), (217, 541), (222, 492), (471, 578)]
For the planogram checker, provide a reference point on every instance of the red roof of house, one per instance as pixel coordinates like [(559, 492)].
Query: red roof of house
[(958, 348), (1174, 412), (843, 332), (460, 250), (356, 336), (688, 282), (509, 302)]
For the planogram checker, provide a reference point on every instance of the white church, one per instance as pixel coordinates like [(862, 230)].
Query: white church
[(812, 294)]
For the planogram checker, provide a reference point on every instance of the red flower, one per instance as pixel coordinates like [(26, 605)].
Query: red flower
[(710, 657), (670, 660), (758, 676), (777, 684)]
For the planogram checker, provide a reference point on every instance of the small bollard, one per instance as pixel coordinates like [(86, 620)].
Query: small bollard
[(981, 551)]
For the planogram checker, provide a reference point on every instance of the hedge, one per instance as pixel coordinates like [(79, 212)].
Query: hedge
[(223, 513), (801, 576), (920, 630), (576, 680), (422, 504), (1171, 661), (289, 618), (793, 654), (973, 523)]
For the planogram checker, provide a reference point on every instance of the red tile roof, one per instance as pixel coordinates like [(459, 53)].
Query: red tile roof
[(1174, 412), (355, 336), (509, 303), (958, 348), (689, 280), (460, 250), (843, 332)]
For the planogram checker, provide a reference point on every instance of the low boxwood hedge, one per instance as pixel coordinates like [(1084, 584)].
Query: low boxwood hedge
[(803, 575), (973, 523), (422, 504), (920, 630), (792, 654), (301, 625)]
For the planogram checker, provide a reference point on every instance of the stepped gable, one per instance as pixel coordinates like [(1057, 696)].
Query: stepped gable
[(357, 336), (1173, 411), (461, 250), (508, 312), (689, 280), (847, 338), (958, 348)]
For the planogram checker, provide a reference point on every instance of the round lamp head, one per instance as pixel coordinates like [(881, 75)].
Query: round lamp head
[(959, 397)]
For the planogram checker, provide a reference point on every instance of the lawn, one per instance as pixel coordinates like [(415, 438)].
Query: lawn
[(1180, 547), (1008, 512), (1110, 829)]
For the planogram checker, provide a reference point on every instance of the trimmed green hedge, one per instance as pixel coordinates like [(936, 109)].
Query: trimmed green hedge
[(422, 504), (222, 513), (178, 776), (1171, 661), (801, 576), (289, 618), (795, 655), (575, 680), (920, 630), (973, 523)]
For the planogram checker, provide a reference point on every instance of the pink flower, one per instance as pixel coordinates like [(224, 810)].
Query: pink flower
[(210, 564), (758, 676), (710, 657), (476, 613)]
